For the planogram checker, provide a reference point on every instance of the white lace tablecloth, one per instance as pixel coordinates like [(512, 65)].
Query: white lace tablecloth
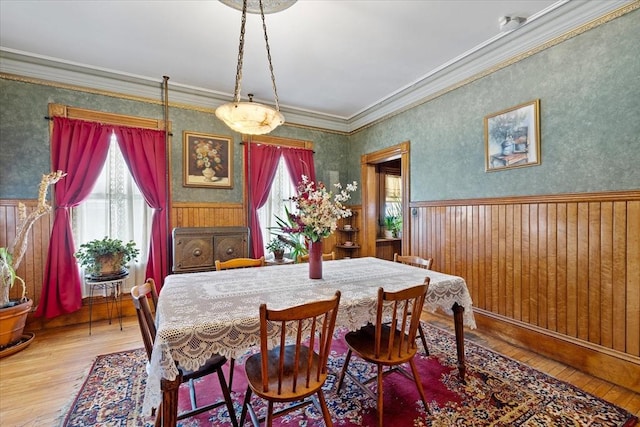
[(201, 314)]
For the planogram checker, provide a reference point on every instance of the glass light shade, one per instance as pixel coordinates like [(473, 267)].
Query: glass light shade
[(251, 118)]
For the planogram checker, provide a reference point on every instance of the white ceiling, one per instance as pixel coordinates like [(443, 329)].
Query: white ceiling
[(337, 63)]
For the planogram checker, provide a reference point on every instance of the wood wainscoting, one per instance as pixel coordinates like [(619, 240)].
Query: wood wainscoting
[(31, 269), (557, 274), (184, 214)]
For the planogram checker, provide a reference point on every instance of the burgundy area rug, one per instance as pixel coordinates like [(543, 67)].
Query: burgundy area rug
[(499, 392)]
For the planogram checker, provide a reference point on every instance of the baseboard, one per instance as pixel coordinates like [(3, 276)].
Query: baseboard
[(81, 316), (616, 367)]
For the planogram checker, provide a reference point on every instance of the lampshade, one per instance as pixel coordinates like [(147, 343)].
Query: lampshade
[(253, 118), (253, 6)]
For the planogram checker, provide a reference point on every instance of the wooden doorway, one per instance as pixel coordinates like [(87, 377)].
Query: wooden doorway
[(370, 179)]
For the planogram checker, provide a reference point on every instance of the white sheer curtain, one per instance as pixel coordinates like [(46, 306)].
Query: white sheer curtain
[(115, 209), (281, 190), (393, 195)]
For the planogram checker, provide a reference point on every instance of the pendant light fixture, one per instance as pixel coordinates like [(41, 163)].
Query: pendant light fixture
[(252, 118)]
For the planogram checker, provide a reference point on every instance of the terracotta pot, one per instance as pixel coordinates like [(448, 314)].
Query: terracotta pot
[(12, 321)]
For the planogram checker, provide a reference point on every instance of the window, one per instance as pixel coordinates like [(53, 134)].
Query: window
[(389, 191), (115, 208), (392, 195), (281, 190)]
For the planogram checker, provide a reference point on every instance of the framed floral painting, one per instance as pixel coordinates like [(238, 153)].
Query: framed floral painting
[(512, 137), (208, 160)]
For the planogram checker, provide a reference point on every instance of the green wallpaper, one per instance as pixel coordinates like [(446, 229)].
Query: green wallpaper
[(589, 91), (24, 139)]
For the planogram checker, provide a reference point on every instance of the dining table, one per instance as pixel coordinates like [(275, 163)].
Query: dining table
[(217, 312)]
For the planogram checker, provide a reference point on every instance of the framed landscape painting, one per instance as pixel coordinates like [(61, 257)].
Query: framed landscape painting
[(208, 160), (512, 137)]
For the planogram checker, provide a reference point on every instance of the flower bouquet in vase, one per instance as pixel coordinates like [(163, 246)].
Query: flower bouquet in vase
[(316, 217)]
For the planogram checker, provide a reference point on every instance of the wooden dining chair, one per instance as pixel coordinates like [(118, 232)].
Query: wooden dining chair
[(389, 344), (425, 263), (228, 265), (325, 257), (140, 295), (416, 261), (239, 263), (296, 369)]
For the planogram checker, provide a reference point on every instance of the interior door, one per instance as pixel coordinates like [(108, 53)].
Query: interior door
[(370, 198)]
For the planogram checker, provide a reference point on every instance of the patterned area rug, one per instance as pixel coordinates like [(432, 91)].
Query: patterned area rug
[(499, 392)]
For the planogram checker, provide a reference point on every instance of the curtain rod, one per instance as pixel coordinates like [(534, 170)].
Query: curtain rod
[(51, 118), (277, 145)]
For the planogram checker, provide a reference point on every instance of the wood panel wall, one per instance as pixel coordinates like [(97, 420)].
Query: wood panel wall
[(207, 215), (31, 269), (386, 248), (565, 266)]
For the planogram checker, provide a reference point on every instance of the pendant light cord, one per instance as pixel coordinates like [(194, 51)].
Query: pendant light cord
[(236, 94), (266, 41)]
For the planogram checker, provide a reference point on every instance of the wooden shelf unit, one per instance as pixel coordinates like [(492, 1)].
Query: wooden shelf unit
[(348, 232)]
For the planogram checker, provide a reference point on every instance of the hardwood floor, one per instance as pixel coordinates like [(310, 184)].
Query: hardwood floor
[(37, 384)]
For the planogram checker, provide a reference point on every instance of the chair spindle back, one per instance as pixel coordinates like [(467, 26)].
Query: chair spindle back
[(314, 322)]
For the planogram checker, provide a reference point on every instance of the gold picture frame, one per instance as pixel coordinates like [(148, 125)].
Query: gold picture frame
[(512, 137), (208, 160)]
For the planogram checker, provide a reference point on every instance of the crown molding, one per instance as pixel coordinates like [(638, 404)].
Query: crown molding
[(553, 25), (43, 68)]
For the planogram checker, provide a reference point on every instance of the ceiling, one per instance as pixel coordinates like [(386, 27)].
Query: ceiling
[(338, 63)]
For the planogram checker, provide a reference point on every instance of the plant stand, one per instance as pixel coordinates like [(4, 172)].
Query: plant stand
[(112, 288)]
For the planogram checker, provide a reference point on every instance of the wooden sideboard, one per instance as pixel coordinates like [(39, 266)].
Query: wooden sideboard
[(197, 248)]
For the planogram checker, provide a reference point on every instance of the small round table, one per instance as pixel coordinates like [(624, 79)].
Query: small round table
[(112, 287)]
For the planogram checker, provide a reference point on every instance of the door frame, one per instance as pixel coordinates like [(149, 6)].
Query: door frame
[(370, 180)]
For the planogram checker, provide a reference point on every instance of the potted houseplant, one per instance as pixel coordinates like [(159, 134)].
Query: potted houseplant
[(277, 246), (392, 225), (397, 226), (106, 257), (293, 240), (13, 313)]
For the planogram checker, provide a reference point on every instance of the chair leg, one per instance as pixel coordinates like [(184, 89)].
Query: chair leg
[(269, 422), (192, 394), (344, 369), (253, 415), (245, 404), (232, 364), (418, 382), (158, 413), (424, 340), (325, 411), (380, 396), (227, 398)]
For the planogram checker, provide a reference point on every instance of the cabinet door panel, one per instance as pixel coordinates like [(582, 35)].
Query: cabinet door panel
[(197, 248)]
